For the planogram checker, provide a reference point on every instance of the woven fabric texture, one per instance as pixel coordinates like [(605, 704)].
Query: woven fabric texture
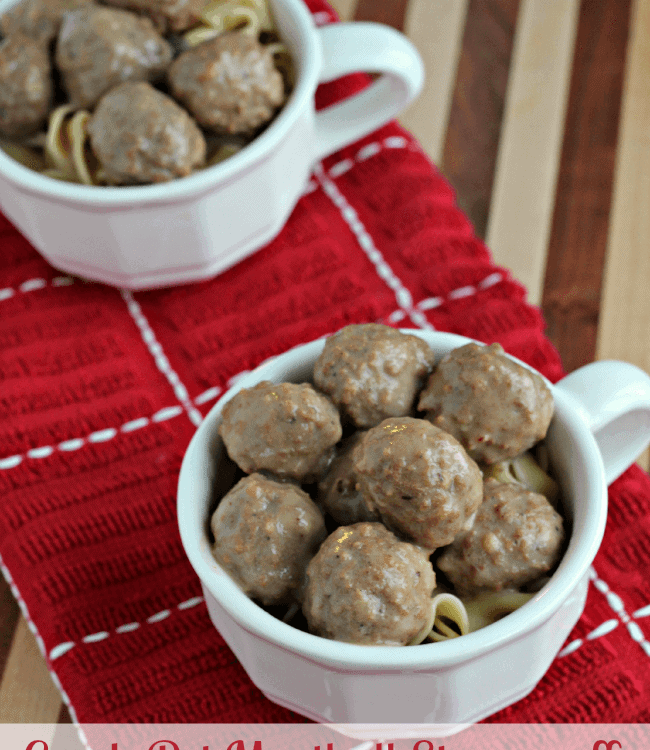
[(101, 390)]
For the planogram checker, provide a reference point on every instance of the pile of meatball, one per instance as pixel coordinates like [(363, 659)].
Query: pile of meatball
[(156, 104), (363, 488)]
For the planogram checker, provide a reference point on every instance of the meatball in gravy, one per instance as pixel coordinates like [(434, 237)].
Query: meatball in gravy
[(420, 480), (288, 429), (515, 538), (366, 586), (338, 493), (39, 19), (98, 48), (140, 135), (172, 15), (26, 87), (229, 83), (373, 372), (265, 534), (495, 407)]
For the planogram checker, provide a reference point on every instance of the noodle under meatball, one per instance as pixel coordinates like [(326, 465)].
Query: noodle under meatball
[(420, 479), (515, 538), (99, 48), (140, 135), (495, 407), (337, 491), (373, 372), (266, 533), (26, 88), (172, 15), (39, 19), (366, 586), (229, 83), (288, 429)]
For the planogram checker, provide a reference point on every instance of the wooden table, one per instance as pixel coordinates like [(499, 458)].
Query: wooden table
[(538, 112)]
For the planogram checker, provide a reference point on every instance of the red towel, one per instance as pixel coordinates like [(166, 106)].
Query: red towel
[(101, 392)]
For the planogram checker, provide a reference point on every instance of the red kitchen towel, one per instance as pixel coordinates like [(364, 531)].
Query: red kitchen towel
[(101, 390)]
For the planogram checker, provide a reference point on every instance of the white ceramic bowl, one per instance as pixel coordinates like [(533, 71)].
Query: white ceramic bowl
[(193, 228), (602, 409)]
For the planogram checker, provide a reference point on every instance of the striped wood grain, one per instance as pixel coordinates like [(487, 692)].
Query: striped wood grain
[(474, 125), (624, 331), (523, 196), (436, 29), (578, 243), (27, 693)]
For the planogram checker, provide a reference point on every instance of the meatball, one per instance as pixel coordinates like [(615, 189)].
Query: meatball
[(337, 490), (39, 19), (494, 406), (265, 533), (288, 429), (228, 83), (366, 586), (420, 479), (98, 48), (26, 88), (373, 372), (140, 135), (516, 536), (168, 15)]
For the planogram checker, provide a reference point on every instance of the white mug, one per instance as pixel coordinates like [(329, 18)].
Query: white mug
[(601, 424), (193, 228)]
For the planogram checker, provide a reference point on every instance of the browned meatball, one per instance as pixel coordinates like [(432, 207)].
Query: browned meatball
[(40, 19), (289, 429), (228, 83), (173, 15), (516, 536), (26, 87), (366, 586), (420, 479), (494, 406), (140, 135), (98, 48), (373, 372), (265, 533), (337, 490)]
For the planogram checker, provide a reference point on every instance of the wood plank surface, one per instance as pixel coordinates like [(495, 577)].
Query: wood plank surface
[(476, 112), (521, 111), (436, 28), (623, 328), (345, 8), (578, 242), (27, 693), (529, 154)]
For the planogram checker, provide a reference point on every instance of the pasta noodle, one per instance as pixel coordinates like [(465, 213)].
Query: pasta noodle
[(448, 608), (226, 15), (484, 609), (526, 471)]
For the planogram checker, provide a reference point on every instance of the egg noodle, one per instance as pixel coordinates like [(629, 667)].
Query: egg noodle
[(65, 152)]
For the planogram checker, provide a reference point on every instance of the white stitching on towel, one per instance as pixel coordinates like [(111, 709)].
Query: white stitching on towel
[(100, 436), (41, 645), (367, 244), (31, 285), (128, 627), (616, 604), (431, 303), (160, 358)]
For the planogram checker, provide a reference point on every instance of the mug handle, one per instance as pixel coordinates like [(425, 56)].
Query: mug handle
[(369, 47), (613, 399)]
